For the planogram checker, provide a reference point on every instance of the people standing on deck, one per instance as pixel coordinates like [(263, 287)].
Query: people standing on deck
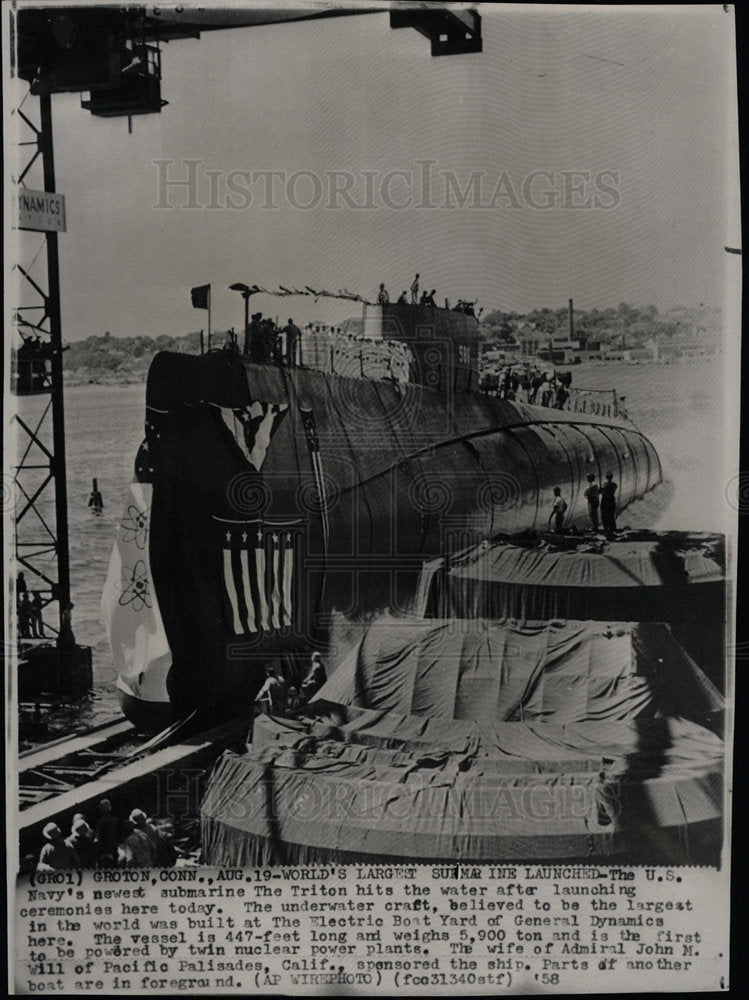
[(558, 508), (56, 855), (253, 340), (546, 392), (593, 498), (403, 298), (382, 296), (265, 351), (293, 333), (415, 290), (608, 504), (429, 299), (231, 347)]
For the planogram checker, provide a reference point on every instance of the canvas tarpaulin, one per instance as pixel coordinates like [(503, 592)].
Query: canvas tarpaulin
[(634, 559), (489, 671), (673, 577), (512, 790)]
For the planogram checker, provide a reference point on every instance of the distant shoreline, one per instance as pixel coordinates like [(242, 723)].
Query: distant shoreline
[(77, 379), (74, 380)]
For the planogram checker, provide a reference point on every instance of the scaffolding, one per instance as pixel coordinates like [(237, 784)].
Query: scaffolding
[(41, 506)]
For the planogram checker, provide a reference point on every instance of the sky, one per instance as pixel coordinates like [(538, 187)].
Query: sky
[(586, 153)]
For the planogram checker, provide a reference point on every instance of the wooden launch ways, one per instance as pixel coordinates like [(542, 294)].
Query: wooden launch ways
[(73, 774)]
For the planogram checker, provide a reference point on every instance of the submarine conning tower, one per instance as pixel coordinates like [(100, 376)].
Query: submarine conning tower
[(444, 343)]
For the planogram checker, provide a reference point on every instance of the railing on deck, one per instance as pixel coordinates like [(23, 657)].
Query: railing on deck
[(594, 402), (597, 402), (367, 358)]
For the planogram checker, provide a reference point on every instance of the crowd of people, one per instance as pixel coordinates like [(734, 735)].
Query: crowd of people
[(131, 843), (278, 697), (601, 500), (267, 343), (527, 384)]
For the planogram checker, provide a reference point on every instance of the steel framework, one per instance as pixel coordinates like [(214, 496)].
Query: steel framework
[(41, 527)]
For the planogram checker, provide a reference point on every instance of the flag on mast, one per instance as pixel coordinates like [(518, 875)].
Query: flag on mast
[(201, 297)]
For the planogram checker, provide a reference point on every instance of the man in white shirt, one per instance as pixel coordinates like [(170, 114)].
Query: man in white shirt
[(558, 507)]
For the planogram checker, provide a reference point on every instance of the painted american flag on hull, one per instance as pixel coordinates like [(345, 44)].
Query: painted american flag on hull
[(258, 575)]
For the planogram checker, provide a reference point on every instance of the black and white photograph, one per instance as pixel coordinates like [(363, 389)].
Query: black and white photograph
[(371, 494)]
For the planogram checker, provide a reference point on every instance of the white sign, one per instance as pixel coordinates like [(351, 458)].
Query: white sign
[(42, 211)]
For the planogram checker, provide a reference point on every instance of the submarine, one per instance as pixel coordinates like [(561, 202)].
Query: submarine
[(271, 500)]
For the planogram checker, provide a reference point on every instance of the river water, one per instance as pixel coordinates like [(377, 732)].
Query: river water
[(680, 407)]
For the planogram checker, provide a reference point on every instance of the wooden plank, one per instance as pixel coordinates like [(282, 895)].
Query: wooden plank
[(165, 734), (61, 748), (44, 790), (49, 777)]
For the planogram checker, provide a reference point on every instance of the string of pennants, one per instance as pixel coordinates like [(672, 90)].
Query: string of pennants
[(282, 291)]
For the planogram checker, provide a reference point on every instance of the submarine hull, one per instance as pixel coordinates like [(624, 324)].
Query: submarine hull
[(280, 497)]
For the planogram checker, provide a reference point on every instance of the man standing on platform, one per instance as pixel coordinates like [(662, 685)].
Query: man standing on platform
[(593, 498), (558, 507), (293, 333), (415, 291), (252, 344), (608, 504)]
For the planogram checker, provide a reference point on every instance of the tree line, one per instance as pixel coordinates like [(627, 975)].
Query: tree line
[(607, 326)]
